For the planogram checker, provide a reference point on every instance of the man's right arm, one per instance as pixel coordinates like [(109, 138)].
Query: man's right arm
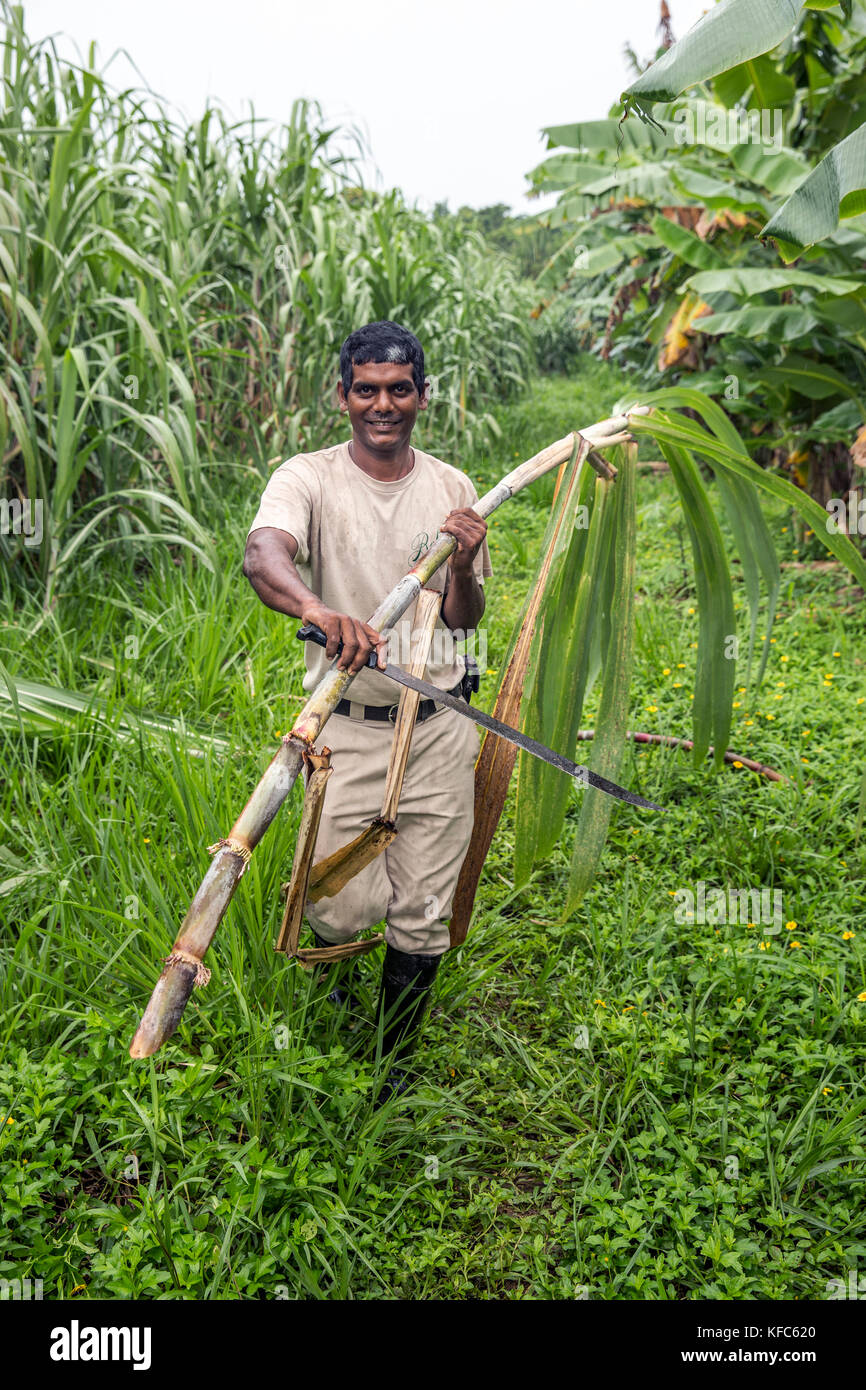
[(269, 565)]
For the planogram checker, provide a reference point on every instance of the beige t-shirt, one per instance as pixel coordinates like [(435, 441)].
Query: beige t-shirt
[(357, 537)]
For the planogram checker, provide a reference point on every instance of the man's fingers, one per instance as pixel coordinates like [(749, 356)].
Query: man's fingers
[(456, 529), (350, 645), (356, 651), (332, 629), (355, 640), (468, 537), (377, 641), (467, 527)]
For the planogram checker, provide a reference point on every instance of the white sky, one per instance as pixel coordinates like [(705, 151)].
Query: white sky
[(451, 94)]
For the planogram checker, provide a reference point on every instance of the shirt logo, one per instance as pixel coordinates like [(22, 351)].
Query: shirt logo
[(419, 545)]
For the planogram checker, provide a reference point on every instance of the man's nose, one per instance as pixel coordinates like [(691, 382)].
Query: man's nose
[(383, 401)]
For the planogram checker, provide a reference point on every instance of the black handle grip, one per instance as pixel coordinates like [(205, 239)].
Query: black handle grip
[(310, 632)]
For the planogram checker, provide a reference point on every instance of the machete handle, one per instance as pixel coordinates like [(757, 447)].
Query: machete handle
[(310, 632)]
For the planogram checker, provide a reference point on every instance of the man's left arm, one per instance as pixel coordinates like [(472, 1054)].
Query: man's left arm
[(463, 604)]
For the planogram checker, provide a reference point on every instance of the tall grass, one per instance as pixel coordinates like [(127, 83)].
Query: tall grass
[(174, 296)]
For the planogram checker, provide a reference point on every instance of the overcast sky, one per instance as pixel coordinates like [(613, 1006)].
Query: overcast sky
[(451, 94)]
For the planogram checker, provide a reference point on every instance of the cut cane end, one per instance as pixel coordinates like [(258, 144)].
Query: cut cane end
[(164, 1012), (148, 1040)]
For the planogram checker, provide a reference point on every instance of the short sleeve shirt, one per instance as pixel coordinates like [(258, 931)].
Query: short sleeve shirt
[(357, 537)]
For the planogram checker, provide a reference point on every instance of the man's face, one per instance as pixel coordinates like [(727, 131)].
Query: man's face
[(382, 405)]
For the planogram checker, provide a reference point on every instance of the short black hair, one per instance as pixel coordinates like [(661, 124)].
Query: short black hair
[(382, 342)]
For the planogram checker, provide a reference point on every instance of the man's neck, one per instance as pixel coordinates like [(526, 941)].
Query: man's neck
[(385, 468)]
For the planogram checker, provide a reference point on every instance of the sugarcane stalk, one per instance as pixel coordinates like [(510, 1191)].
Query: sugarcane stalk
[(426, 613), (670, 741), (329, 876), (296, 888), (183, 967)]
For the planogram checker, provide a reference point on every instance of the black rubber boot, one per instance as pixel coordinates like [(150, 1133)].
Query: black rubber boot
[(341, 994), (403, 998)]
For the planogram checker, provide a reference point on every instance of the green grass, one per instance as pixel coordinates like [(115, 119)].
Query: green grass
[(618, 1104)]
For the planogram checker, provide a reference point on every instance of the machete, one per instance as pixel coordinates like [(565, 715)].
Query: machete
[(311, 633)]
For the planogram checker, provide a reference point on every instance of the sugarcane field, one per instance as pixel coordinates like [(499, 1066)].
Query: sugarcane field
[(432, 640)]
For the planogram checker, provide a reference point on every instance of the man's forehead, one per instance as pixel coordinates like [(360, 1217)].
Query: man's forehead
[(382, 373)]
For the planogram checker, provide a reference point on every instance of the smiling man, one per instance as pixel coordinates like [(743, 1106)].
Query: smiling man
[(334, 532)]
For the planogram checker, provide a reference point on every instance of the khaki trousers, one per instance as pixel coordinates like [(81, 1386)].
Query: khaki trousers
[(411, 884)]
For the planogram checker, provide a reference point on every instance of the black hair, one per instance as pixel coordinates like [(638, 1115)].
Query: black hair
[(382, 342)]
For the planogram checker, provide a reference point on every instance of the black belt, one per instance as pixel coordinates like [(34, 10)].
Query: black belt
[(388, 713)]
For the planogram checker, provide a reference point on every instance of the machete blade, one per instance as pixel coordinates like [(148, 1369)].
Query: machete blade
[(311, 633), (580, 774)]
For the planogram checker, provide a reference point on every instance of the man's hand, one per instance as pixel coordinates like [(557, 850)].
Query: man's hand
[(470, 530), (359, 639)]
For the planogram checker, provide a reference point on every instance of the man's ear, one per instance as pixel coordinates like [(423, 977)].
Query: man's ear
[(341, 397), (424, 398)]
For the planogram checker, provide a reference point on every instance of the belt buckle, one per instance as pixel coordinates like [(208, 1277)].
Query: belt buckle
[(392, 713)]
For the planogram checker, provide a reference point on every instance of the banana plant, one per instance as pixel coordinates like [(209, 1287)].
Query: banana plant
[(731, 40), (670, 269)]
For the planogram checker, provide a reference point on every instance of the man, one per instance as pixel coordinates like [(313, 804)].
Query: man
[(335, 531)]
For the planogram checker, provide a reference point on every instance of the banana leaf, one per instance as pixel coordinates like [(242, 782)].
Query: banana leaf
[(835, 189), (726, 36)]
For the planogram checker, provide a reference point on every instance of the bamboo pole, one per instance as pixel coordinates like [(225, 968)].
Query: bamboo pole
[(183, 967)]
